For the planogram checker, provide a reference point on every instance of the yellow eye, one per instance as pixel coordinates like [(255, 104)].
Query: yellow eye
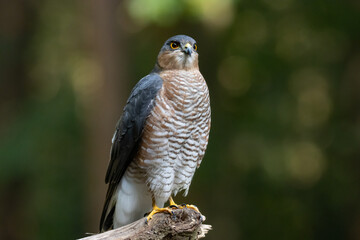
[(195, 47), (174, 45)]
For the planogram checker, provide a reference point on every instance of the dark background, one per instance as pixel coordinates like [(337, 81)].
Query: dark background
[(284, 80)]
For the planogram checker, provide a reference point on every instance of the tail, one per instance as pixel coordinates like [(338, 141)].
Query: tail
[(107, 216)]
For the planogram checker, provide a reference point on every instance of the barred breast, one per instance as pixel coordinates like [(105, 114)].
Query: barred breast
[(175, 136)]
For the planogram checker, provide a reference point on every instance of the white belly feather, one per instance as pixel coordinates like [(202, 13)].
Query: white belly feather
[(133, 200)]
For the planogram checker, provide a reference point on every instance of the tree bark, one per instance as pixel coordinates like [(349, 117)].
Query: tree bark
[(182, 224)]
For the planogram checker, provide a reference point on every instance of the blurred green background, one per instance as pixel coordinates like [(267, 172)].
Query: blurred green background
[(284, 80)]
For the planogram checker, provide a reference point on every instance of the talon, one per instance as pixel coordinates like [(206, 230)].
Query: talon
[(183, 205), (155, 210), (173, 205), (193, 207), (169, 209)]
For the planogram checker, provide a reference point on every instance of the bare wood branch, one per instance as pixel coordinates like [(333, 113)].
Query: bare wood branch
[(183, 224)]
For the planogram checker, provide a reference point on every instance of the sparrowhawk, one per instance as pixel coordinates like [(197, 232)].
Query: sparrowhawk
[(161, 137)]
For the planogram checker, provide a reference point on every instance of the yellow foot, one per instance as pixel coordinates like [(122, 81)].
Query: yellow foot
[(193, 207), (155, 210), (174, 205)]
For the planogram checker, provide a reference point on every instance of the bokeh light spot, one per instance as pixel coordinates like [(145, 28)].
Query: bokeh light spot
[(215, 14), (305, 162), (86, 79), (162, 12), (313, 100)]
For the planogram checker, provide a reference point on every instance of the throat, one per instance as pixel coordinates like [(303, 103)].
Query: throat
[(189, 63), (176, 61)]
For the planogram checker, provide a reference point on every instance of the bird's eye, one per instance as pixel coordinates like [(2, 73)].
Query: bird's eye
[(195, 47), (174, 45)]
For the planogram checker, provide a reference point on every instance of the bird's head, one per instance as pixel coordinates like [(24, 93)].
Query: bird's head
[(178, 52)]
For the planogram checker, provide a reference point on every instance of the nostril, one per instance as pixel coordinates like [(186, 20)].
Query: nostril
[(187, 50)]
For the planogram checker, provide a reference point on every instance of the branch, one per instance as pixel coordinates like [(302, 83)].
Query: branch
[(183, 224)]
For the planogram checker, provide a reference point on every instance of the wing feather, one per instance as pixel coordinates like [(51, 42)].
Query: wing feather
[(126, 139)]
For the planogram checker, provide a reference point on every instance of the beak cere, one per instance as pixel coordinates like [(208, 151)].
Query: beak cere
[(187, 49)]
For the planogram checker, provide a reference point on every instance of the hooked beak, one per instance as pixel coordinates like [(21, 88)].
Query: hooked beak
[(187, 49)]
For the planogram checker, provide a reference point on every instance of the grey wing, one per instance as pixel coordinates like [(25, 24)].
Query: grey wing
[(126, 139)]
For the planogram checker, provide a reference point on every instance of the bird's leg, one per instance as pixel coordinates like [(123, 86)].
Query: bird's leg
[(156, 209), (172, 203)]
